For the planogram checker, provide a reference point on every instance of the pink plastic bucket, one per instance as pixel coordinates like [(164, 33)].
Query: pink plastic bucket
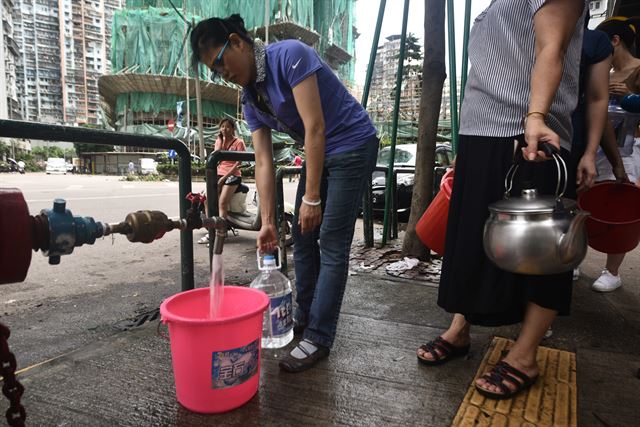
[(216, 363)]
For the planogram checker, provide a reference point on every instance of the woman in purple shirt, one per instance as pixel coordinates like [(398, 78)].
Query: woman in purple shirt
[(288, 88)]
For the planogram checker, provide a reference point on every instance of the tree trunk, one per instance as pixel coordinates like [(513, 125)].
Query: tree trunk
[(434, 73)]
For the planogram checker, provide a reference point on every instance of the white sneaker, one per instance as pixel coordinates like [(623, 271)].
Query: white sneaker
[(576, 274), (204, 239), (607, 282)]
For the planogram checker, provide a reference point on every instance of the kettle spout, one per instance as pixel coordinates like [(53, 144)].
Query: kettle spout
[(574, 240)]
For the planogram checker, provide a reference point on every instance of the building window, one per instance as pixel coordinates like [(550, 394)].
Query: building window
[(594, 5)]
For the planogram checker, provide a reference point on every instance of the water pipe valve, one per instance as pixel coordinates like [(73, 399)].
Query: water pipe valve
[(67, 231)]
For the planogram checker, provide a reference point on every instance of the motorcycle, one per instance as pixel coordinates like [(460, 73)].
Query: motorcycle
[(241, 217), (16, 166)]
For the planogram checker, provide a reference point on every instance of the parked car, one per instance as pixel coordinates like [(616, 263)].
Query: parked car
[(56, 165), (148, 167), (405, 158)]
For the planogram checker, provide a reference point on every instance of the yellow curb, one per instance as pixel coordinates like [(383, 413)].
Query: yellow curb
[(551, 401)]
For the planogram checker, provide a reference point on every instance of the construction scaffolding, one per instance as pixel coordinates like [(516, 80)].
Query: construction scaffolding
[(150, 57)]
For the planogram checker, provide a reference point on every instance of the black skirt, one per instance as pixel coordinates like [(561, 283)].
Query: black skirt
[(470, 283)]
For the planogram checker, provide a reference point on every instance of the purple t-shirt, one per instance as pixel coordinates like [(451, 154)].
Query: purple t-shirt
[(289, 62)]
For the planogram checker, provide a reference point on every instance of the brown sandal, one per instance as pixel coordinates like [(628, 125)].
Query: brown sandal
[(442, 351), (505, 372)]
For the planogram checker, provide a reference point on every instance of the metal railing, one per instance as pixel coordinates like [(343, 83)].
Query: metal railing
[(212, 193), (30, 130)]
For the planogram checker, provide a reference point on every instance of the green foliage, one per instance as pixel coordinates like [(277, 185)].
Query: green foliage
[(150, 177), (168, 169), (413, 60), (31, 166), (4, 150), (197, 169), (45, 152)]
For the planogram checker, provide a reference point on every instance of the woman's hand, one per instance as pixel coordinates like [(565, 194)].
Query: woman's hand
[(536, 131), (620, 174), (619, 89), (586, 173), (267, 238), (309, 217)]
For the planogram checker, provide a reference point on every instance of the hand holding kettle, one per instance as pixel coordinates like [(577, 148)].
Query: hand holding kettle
[(536, 234), (535, 132)]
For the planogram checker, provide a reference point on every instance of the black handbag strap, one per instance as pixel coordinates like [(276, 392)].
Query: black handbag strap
[(259, 99)]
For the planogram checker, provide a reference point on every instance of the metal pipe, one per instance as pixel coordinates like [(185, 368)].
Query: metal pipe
[(280, 216), (212, 180), (367, 209), (394, 128), (453, 81), (372, 55), (29, 130), (465, 49), (196, 69)]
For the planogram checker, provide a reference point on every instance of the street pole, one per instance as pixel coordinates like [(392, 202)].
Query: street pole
[(367, 213), (390, 182)]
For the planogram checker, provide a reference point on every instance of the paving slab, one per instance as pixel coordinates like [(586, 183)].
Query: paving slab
[(608, 388)]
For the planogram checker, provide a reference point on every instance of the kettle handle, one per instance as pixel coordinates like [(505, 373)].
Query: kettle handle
[(549, 150)]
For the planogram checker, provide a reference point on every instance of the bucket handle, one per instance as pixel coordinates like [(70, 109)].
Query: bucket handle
[(160, 332), (561, 168)]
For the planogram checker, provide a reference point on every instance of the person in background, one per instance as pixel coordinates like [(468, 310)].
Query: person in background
[(522, 85), (297, 162), (590, 115), (287, 87), (229, 176), (624, 80), (131, 167)]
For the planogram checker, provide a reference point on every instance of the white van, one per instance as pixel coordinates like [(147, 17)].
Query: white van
[(56, 165), (148, 167)]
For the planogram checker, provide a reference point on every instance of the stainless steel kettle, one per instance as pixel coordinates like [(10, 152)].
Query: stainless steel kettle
[(535, 234)]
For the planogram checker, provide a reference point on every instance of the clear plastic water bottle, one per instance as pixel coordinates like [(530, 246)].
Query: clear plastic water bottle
[(277, 327)]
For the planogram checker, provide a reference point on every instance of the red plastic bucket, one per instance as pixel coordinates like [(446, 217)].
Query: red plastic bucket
[(614, 224), (432, 226), (216, 362)]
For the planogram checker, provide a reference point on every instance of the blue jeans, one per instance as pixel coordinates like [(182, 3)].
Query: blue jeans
[(321, 256)]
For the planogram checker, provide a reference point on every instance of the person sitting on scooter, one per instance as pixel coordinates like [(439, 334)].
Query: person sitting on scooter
[(229, 176), (287, 87)]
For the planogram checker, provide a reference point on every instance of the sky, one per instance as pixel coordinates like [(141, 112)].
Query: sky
[(367, 15)]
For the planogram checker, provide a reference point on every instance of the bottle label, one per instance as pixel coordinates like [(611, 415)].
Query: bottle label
[(233, 367), (281, 314)]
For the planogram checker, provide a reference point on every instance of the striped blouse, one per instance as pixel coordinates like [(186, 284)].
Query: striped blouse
[(501, 55)]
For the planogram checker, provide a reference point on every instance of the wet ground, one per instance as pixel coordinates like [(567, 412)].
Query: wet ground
[(85, 362)]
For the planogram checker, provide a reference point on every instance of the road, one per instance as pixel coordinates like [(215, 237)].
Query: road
[(60, 307)]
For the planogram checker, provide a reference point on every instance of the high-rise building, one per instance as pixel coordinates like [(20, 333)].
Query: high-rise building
[(63, 46), (383, 83), (9, 105)]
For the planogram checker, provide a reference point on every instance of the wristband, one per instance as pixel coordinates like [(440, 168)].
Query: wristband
[(531, 113), (310, 203)]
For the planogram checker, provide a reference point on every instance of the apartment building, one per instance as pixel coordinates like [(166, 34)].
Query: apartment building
[(383, 83), (63, 50), (9, 104)]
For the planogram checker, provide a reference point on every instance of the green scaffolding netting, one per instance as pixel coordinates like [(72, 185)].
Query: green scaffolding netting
[(150, 37), (159, 102), (149, 33)]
